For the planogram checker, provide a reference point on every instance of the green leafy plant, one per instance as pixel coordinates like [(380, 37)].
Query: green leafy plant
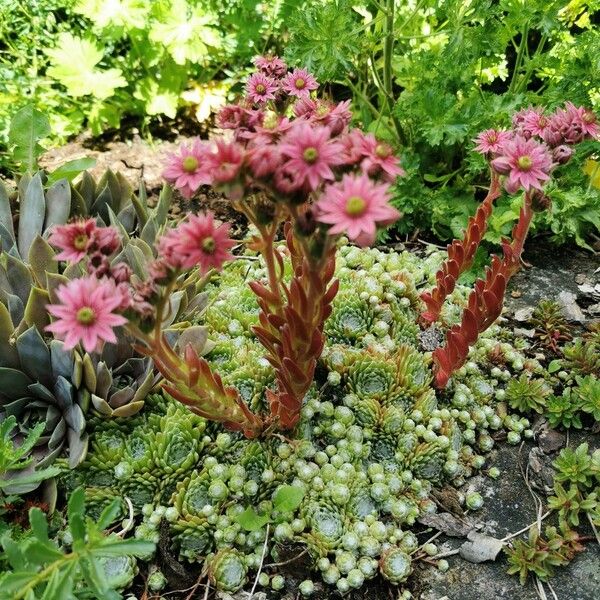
[(15, 477), (539, 555), (574, 466), (569, 503), (526, 394), (43, 568), (286, 500)]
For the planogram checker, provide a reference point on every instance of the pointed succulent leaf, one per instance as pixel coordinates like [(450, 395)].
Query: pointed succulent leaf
[(126, 191), (41, 258), (161, 211), (89, 373), (78, 447), (86, 188), (7, 242), (39, 390), (121, 397), (6, 219), (77, 374), (101, 203), (103, 380), (19, 277), (15, 308), (62, 360), (145, 387), (13, 383), (78, 206), (140, 204), (196, 336), (126, 216), (58, 204), (150, 231), (101, 405), (130, 409), (35, 356), (8, 353), (23, 184), (31, 214), (53, 280), (116, 222), (175, 304), (35, 312)]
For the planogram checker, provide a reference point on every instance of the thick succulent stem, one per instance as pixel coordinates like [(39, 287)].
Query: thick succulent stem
[(460, 255), (485, 301), (191, 381), (294, 338)]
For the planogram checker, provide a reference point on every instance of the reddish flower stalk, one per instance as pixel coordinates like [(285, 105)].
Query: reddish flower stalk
[(291, 327), (191, 381), (485, 301), (460, 255)]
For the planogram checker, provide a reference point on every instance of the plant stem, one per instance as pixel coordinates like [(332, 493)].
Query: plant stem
[(519, 61)]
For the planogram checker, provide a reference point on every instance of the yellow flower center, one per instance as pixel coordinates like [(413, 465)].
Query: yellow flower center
[(355, 206), (310, 155), (525, 163), (189, 164), (589, 117), (208, 245), (86, 315), (260, 88), (300, 83), (80, 242), (382, 150)]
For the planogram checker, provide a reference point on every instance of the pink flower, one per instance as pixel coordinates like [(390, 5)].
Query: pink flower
[(85, 313), (272, 66), (264, 160), (305, 107), (299, 83), (527, 164), (533, 122), (335, 116), (187, 168), (261, 88), (311, 153), (379, 159), (226, 163), (353, 143), (74, 239), (356, 205), (197, 242), (490, 141)]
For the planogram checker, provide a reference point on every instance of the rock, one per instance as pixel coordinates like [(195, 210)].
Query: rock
[(524, 314), (594, 309), (480, 548), (448, 524), (590, 290), (551, 440), (570, 309), (540, 470), (522, 332), (580, 278)]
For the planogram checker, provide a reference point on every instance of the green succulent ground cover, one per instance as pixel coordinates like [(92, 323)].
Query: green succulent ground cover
[(346, 489)]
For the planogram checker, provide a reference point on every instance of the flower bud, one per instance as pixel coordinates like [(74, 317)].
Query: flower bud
[(539, 201), (562, 154)]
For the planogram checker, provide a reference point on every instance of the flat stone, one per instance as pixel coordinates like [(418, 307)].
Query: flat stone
[(551, 440), (524, 314), (480, 548), (569, 307)]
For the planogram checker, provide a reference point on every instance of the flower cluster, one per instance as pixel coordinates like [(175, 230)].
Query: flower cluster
[(296, 149), (537, 143)]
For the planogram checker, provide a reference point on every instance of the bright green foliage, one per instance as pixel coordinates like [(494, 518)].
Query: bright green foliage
[(525, 394), (569, 503), (453, 70), (539, 555), (27, 128), (89, 63), (92, 564), (575, 466), (587, 395), (16, 474), (583, 356), (563, 411)]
